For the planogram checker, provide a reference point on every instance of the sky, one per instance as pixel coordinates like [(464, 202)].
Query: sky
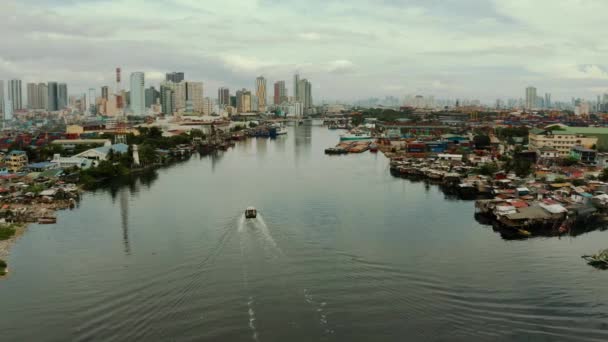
[(348, 49)]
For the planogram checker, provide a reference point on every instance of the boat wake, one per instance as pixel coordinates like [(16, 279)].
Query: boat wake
[(263, 228), (320, 309)]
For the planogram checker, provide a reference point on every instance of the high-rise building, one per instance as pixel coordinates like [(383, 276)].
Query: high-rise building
[(62, 95), (152, 96), (260, 93), (31, 93), (105, 92), (167, 97), (548, 100), (296, 87), (194, 95), (243, 101), (52, 97), (531, 98), (223, 97), (137, 95), (43, 96), (15, 95), (174, 77), (8, 110), (1, 96), (280, 93)]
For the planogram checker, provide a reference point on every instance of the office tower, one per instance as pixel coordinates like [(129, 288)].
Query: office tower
[(62, 95), (233, 101), (167, 97), (243, 101), (194, 95), (280, 92), (31, 93), (305, 94), (223, 97), (105, 91), (548, 100), (43, 96), (296, 87), (14, 95), (531, 98), (260, 93), (152, 96), (255, 103), (1, 96), (52, 97), (174, 77), (137, 95)]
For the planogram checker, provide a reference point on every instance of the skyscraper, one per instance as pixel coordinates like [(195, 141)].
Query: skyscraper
[(296, 87), (531, 98), (174, 77), (152, 96), (105, 91), (62, 95), (137, 96), (194, 95), (548, 100), (243, 101), (15, 95), (32, 94), (280, 93), (52, 98), (43, 96), (167, 97), (223, 97), (260, 92)]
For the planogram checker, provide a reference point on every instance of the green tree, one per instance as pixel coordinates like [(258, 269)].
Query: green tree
[(604, 175), (481, 141), (569, 161), (488, 169)]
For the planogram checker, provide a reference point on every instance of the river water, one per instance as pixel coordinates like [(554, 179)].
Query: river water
[(341, 251)]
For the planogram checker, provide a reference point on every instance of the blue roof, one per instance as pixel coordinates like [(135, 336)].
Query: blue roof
[(16, 152), (40, 165), (119, 148)]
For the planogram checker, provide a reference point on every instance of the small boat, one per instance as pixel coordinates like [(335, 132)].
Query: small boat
[(251, 212), (373, 148), (282, 131), (355, 136), (47, 220), (599, 260)]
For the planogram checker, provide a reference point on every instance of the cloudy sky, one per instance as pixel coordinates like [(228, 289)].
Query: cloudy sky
[(349, 49)]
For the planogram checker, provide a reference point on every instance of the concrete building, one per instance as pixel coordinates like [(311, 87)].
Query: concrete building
[(531, 98), (62, 95), (280, 93), (52, 97), (194, 94), (167, 97), (152, 97), (8, 110), (223, 97), (207, 106), (243, 101), (15, 95), (260, 93), (32, 93), (105, 92), (563, 141), (16, 160), (138, 96)]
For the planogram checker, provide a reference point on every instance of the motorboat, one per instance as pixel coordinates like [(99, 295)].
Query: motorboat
[(282, 131), (251, 212), (355, 136)]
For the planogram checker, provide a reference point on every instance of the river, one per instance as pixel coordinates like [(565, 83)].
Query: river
[(341, 251)]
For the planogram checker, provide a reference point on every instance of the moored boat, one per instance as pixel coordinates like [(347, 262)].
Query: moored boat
[(355, 136)]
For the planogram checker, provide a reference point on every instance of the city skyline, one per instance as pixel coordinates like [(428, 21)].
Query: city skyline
[(451, 49)]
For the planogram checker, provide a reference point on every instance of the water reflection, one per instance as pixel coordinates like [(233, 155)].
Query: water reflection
[(124, 219), (302, 140)]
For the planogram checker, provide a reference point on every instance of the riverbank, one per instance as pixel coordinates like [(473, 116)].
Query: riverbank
[(5, 245)]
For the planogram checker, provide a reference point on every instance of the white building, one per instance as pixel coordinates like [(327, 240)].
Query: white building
[(531, 98), (138, 95), (260, 93), (207, 106), (194, 93)]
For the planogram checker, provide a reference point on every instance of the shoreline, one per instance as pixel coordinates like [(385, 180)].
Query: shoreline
[(7, 245)]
